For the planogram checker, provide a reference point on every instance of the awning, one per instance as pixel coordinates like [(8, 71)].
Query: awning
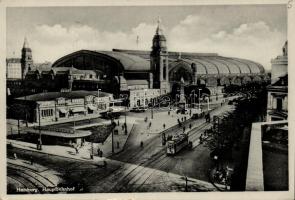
[(68, 134), (62, 110), (91, 107), (78, 109)]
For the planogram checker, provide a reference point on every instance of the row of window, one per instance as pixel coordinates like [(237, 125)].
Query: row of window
[(47, 112)]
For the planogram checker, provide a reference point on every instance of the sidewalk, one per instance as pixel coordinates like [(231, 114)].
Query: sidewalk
[(85, 150), (63, 151)]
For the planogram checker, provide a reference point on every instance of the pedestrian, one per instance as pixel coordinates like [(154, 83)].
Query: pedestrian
[(150, 124), (183, 129), (98, 151), (122, 127), (15, 156), (168, 112), (182, 119), (185, 118), (105, 164), (190, 126), (141, 143), (118, 123), (164, 125), (31, 159), (77, 151)]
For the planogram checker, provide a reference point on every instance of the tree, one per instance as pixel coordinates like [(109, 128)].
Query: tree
[(19, 111)]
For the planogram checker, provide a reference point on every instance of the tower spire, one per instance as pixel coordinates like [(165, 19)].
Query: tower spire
[(159, 30), (26, 44)]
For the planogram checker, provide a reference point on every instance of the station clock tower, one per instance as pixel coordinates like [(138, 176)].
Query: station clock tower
[(26, 59), (159, 61)]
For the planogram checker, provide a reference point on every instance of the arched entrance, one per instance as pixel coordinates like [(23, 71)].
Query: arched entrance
[(180, 70)]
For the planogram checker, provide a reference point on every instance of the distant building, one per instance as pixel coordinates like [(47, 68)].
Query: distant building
[(277, 105), (63, 106), (13, 68), (279, 65), (142, 98)]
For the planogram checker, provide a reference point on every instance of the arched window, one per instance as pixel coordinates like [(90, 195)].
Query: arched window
[(164, 69)]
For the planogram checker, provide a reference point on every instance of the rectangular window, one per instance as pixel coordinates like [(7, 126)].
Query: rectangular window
[(279, 104)]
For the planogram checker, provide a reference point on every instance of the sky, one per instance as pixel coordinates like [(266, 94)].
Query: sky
[(255, 32)]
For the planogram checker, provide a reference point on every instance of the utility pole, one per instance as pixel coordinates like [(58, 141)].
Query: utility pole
[(112, 135), (199, 99), (125, 124)]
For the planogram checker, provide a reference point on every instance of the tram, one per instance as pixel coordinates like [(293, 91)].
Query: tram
[(177, 143)]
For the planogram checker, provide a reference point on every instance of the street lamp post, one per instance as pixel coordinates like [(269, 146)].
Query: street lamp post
[(125, 124), (40, 138), (199, 99), (91, 156), (194, 97), (112, 120), (98, 97), (144, 97)]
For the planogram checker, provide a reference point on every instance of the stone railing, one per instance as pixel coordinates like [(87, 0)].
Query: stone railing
[(255, 177)]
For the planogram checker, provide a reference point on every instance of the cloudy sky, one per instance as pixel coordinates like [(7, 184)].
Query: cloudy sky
[(253, 32)]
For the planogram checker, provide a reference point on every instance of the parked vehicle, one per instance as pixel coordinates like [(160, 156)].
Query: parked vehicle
[(139, 109)]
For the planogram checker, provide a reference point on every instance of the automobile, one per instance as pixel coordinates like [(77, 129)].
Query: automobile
[(109, 115), (139, 109), (182, 111)]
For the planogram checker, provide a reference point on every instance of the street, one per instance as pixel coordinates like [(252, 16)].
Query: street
[(138, 168)]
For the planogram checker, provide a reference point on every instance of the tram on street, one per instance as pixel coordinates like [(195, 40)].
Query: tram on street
[(177, 143)]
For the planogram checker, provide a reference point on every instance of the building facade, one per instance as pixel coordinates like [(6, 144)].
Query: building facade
[(64, 106), (279, 65), (143, 98), (277, 105), (13, 68)]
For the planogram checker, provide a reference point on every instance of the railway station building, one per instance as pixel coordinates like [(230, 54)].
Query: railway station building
[(158, 72)]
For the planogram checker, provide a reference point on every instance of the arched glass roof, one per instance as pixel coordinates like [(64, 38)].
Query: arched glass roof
[(234, 69), (256, 68), (130, 62), (222, 68), (244, 68), (211, 69), (201, 68), (206, 64), (221, 65)]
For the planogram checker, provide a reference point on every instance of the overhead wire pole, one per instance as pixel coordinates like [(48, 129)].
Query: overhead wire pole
[(199, 99), (92, 153)]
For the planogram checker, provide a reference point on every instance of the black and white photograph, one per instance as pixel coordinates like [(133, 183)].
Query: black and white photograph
[(146, 99)]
